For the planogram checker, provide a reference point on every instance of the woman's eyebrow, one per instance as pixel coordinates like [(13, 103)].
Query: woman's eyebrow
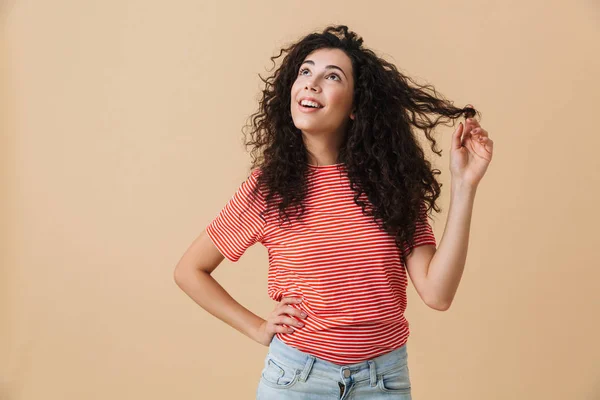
[(327, 67)]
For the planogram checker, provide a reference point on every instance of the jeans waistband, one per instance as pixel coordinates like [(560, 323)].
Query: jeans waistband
[(359, 371)]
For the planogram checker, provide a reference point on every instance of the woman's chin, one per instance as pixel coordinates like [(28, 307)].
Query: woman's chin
[(308, 126)]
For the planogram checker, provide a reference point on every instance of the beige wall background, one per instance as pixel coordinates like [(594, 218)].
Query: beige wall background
[(121, 140)]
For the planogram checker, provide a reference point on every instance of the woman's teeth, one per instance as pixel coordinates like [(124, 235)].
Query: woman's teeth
[(311, 104)]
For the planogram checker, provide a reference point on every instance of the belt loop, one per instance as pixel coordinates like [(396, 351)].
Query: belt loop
[(373, 372), (307, 368)]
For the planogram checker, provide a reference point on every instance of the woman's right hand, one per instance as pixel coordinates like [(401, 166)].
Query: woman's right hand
[(281, 315)]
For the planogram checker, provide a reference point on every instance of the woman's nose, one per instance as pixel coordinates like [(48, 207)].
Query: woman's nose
[(311, 86)]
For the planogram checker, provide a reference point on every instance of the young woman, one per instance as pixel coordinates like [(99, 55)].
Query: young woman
[(339, 193)]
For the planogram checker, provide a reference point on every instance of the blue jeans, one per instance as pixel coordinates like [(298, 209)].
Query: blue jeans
[(291, 374)]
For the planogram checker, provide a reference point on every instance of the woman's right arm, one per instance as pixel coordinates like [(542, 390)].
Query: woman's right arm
[(193, 275)]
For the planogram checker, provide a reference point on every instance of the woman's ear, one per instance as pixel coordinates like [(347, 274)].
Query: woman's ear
[(352, 116)]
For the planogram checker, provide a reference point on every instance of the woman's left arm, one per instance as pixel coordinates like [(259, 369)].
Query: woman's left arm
[(448, 262), (470, 157)]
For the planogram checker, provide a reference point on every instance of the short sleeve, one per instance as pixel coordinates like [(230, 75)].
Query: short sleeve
[(239, 224), (423, 232)]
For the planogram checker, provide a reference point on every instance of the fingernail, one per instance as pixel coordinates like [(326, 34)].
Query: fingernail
[(303, 315)]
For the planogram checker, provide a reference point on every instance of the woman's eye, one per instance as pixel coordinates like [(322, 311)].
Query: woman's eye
[(303, 70)]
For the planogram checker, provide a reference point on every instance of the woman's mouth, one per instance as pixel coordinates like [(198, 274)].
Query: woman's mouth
[(308, 109)]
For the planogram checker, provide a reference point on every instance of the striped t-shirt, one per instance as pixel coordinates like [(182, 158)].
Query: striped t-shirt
[(346, 268)]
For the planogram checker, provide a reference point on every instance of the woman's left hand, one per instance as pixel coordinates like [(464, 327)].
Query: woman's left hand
[(471, 153)]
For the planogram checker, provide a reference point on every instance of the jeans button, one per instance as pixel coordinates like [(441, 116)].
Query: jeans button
[(346, 373)]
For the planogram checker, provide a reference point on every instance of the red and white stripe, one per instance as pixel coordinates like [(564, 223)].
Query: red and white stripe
[(346, 268)]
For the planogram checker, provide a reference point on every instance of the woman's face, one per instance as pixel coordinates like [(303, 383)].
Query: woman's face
[(325, 75)]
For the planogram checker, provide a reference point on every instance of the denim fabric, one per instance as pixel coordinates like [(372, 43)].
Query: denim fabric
[(291, 374)]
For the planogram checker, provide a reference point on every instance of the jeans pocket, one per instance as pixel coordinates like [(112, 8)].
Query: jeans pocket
[(278, 375), (396, 380)]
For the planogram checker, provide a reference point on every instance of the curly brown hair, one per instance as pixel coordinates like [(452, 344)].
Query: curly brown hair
[(380, 150)]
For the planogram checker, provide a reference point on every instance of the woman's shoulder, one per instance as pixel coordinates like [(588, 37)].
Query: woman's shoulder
[(256, 171)]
